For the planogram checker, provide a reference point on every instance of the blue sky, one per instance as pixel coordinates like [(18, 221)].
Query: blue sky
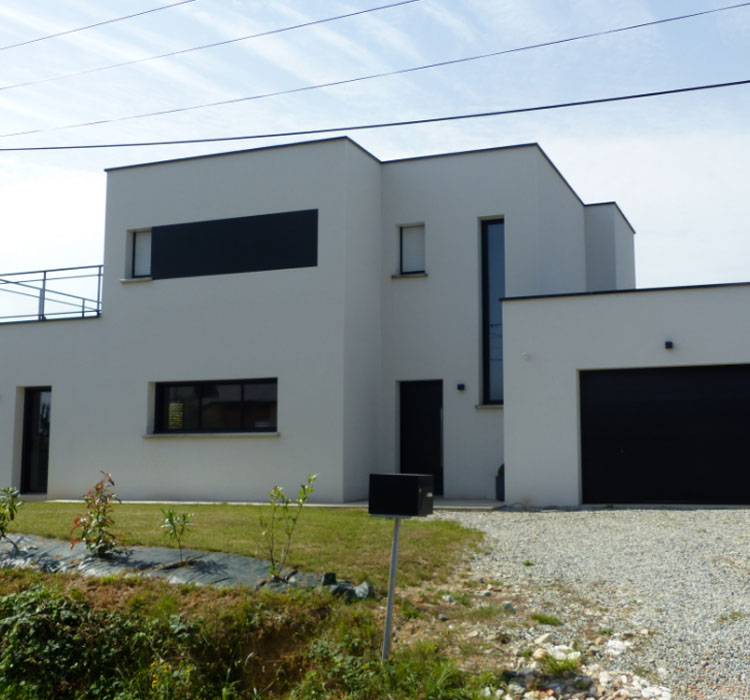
[(679, 166)]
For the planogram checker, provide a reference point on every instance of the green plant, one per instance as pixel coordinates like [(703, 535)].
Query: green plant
[(97, 522), (528, 563), (175, 524), (10, 501), (410, 612), (554, 666), (281, 523), (501, 470), (543, 619)]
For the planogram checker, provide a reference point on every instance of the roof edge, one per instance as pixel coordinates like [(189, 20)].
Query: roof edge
[(676, 288), (223, 154), (616, 206)]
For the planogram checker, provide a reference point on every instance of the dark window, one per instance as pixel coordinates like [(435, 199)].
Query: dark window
[(227, 246), (493, 290), (242, 406)]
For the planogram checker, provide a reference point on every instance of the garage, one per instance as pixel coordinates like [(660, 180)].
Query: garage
[(666, 435)]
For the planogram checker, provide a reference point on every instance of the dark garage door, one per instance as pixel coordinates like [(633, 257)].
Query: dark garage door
[(666, 435)]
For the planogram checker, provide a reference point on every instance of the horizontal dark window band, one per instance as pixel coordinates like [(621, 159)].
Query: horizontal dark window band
[(280, 241)]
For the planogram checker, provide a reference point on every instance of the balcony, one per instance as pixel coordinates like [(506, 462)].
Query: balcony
[(45, 295)]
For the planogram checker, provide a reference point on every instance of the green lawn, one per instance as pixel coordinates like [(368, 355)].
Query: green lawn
[(349, 542)]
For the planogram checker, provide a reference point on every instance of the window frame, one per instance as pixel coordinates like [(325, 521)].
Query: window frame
[(161, 390), (401, 269)]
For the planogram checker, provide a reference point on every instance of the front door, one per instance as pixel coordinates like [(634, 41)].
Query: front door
[(35, 455), (422, 430)]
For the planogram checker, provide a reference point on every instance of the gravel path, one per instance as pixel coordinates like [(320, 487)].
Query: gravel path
[(682, 574)]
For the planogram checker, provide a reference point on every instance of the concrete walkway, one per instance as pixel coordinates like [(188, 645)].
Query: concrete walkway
[(455, 504)]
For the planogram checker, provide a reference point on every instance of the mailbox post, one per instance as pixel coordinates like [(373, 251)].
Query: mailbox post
[(398, 496)]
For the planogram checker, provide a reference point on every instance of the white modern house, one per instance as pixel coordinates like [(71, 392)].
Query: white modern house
[(266, 313)]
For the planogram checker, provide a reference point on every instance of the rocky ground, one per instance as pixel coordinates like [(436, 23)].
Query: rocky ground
[(604, 604)]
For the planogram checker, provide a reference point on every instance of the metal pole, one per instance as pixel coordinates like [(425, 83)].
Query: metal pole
[(391, 587), (41, 295)]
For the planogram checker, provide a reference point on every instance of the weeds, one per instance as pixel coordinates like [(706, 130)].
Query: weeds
[(554, 666), (733, 616), (544, 619)]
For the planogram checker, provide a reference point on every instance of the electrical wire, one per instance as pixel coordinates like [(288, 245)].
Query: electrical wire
[(347, 81), (384, 125), (92, 26), (179, 52)]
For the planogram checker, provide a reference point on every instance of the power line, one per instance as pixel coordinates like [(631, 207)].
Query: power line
[(92, 26), (204, 46), (384, 125), (336, 83)]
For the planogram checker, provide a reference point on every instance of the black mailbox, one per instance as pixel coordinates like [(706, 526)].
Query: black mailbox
[(401, 495)]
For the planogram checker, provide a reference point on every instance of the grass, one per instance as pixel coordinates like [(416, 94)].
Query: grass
[(347, 541), (733, 616), (544, 619), (559, 667)]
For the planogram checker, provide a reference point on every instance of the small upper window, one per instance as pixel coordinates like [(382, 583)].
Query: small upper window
[(412, 249), (141, 254)]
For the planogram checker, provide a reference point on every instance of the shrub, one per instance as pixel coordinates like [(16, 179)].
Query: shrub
[(96, 523), (279, 528), (9, 504), (175, 524)]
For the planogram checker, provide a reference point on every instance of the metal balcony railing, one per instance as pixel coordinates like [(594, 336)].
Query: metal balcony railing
[(41, 295)]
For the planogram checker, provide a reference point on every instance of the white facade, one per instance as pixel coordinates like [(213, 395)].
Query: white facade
[(338, 336)]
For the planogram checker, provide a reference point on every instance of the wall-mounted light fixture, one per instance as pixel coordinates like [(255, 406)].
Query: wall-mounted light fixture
[(668, 345), (461, 387)]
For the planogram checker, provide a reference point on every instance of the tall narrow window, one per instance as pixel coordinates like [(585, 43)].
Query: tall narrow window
[(412, 249), (141, 254), (493, 291)]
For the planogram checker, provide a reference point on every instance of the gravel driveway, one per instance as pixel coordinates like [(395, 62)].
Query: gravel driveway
[(681, 575)]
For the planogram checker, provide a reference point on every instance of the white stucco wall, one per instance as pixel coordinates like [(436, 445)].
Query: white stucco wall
[(362, 331), (610, 253), (432, 325), (548, 341)]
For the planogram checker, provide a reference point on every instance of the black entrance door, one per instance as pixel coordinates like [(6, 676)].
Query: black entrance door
[(422, 430), (35, 455)]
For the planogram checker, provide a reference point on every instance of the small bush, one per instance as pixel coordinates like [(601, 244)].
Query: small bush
[(175, 524), (279, 528), (10, 502), (96, 523)]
